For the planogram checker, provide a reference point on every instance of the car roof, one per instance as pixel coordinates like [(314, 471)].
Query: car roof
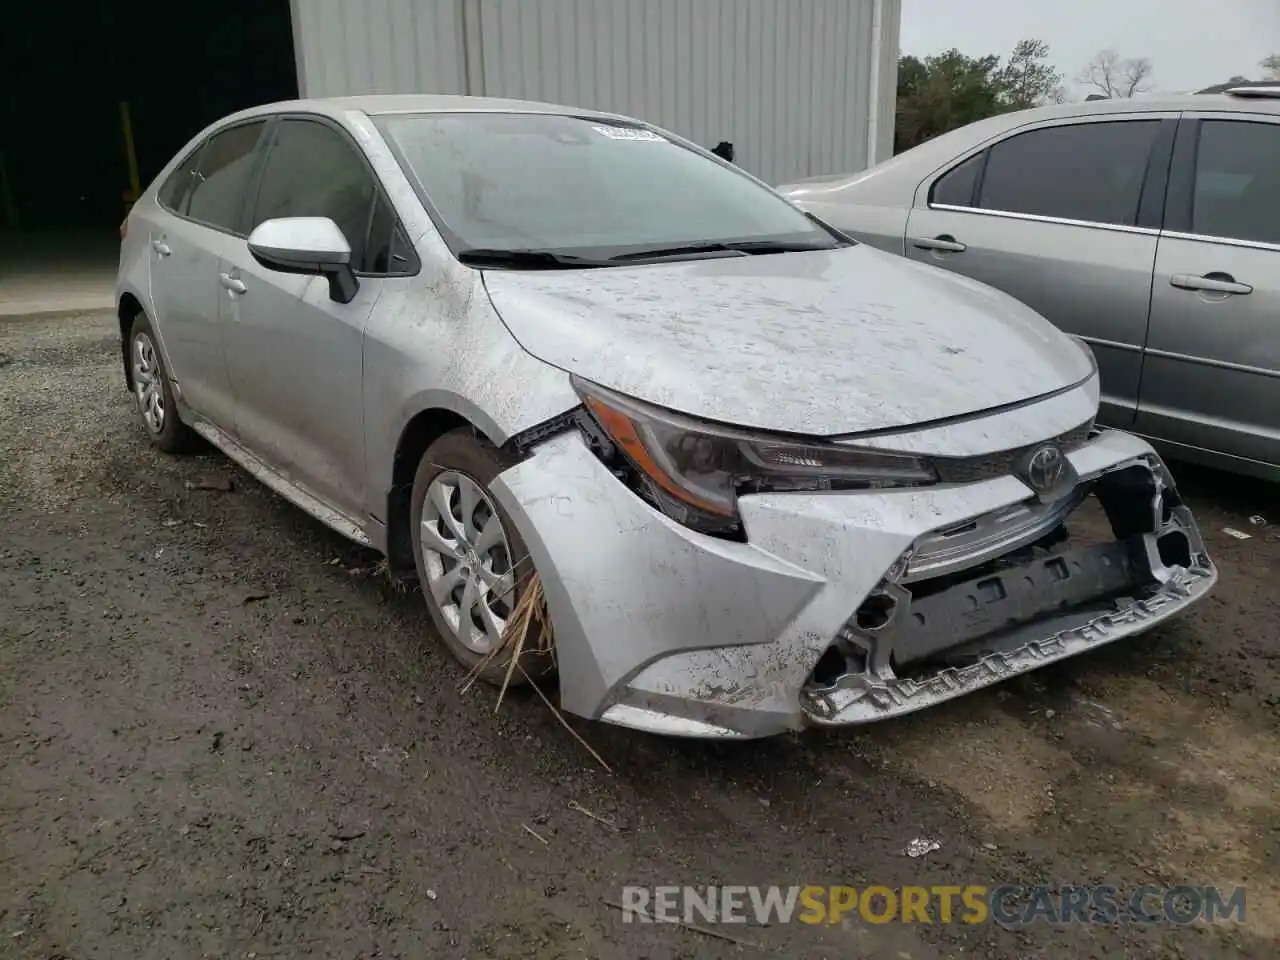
[(1240, 85), (392, 103), (900, 175), (1219, 102)]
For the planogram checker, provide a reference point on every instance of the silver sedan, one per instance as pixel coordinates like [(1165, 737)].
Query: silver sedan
[(763, 476)]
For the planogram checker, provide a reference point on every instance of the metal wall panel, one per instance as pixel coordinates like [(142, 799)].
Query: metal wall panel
[(788, 82), (379, 46)]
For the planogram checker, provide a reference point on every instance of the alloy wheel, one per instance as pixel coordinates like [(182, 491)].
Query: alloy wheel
[(147, 386), (467, 559)]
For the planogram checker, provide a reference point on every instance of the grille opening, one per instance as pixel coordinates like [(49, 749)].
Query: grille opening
[(1127, 496), (831, 666), (876, 611), (1074, 572), (1175, 549)]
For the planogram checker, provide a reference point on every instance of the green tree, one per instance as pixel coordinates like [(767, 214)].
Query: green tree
[(1028, 79), (951, 89), (1271, 67), (943, 92)]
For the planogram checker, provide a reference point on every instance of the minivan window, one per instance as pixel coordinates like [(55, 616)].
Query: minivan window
[(1237, 187), (222, 173), (312, 171), (955, 187), (1088, 171)]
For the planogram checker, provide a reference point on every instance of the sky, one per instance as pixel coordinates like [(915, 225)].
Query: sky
[(1191, 43)]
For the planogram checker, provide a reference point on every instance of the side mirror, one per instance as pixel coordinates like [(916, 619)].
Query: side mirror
[(306, 245)]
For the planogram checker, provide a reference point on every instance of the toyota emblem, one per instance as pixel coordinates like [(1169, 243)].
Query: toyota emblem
[(1045, 468)]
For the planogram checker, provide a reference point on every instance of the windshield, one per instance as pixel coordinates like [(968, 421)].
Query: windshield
[(584, 188)]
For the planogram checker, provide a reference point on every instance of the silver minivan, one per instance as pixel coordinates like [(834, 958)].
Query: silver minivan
[(1149, 227)]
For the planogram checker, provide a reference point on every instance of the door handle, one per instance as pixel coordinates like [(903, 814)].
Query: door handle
[(233, 284), (943, 241), (160, 247), (1216, 282)]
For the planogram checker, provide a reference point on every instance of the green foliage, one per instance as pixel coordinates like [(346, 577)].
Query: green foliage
[(949, 90), (1028, 79)]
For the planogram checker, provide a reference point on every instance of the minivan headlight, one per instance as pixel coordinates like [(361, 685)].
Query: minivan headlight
[(694, 470)]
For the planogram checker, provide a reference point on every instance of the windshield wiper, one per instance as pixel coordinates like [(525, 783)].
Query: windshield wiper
[(745, 247), (525, 259)]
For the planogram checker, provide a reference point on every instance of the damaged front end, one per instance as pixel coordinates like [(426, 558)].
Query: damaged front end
[(1012, 590)]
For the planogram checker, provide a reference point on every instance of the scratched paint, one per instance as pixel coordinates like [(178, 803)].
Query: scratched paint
[(818, 342), (630, 636)]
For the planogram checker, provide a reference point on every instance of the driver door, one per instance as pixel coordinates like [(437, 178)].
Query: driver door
[(295, 354)]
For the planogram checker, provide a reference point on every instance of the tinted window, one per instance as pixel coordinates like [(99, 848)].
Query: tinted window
[(312, 171), (222, 171), (1237, 192), (1088, 171), (177, 188), (956, 185)]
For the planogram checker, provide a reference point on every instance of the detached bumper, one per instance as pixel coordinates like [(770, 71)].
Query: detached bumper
[(841, 608)]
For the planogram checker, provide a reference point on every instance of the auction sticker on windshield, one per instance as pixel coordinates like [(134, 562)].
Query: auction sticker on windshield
[(628, 133)]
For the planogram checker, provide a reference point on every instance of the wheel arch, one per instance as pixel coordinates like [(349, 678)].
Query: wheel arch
[(419, 432), (128, 310)]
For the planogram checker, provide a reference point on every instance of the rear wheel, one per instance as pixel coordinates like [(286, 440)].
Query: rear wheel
[(472, 564), (152, 395)]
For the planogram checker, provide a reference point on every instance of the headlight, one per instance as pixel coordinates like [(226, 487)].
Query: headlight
[(693, 471)]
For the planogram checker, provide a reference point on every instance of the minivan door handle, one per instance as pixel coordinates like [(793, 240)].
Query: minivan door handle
[(160, 247), (1216, 282), (234, 284), (943, 241)]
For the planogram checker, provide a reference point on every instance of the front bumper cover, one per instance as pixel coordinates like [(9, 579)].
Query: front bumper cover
[(664, 629)]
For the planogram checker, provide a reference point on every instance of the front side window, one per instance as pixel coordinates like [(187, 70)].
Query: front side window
[(1237, 186), (222, 172), (388, 250), (312, 171), (1087, 171), (562, 184)]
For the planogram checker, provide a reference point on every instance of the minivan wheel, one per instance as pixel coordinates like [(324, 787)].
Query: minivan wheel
[(473, 566), (152, 395)]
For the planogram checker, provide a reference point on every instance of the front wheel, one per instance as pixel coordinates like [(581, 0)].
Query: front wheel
[(472, 564), (152, 395)]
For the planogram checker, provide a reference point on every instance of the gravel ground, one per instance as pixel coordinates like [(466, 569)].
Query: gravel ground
[(226, 735)]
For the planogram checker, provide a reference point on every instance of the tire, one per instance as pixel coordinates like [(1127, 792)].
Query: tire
[(157, 411), (454, 459)]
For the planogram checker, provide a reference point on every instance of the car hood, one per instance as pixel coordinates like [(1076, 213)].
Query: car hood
[(820, 343)]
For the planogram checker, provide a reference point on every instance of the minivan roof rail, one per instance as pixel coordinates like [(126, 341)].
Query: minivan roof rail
[(1266, 91)]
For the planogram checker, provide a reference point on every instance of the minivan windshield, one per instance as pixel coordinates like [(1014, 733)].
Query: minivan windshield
[(530, 190)]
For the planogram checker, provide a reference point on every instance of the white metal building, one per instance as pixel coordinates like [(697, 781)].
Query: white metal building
[(799, 87)]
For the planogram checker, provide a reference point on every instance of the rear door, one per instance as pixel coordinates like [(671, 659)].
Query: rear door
[(1211, 379), (295, 354), (198, 223), (1065, 217)]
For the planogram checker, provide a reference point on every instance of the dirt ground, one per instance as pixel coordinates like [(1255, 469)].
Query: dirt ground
[(225, 735)]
